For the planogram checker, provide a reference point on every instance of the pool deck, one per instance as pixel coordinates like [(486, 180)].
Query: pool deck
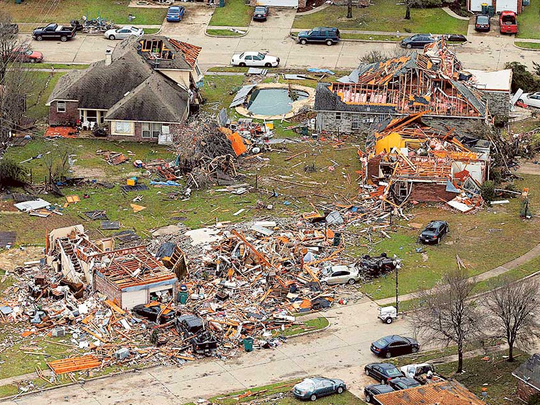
[(296, 105)]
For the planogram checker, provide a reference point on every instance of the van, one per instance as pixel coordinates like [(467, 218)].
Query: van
[(326, 35)]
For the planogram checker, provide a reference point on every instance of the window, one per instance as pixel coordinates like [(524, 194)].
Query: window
[(197, 70), (338, 116), (122, 128), (151, 130), (355, 125), (249, 57), (91, 115), (61, 106)]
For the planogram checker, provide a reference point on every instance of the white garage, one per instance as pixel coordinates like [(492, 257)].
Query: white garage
[(278, 3), (500, 5)]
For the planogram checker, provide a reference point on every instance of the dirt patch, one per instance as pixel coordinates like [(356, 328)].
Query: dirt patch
[(89, 172), (12, 258)]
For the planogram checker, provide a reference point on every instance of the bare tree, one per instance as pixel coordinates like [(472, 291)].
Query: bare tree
[(349, 9), (512, 304), (447, 314)]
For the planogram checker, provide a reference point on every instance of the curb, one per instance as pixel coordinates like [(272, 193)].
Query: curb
[(525, 49), (226, 36), (311, 332)]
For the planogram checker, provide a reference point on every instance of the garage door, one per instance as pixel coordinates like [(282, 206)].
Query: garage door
[(503, 5), (132, 298), (476, 5), (278, 3)]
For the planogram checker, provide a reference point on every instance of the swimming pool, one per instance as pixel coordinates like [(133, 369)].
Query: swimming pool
[(274, 101)]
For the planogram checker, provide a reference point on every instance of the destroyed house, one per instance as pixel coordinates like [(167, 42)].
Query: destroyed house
[(528, 376), (429, 81), (143, 91), (409, 160), (129, 276)]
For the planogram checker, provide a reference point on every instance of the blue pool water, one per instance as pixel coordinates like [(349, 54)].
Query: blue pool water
[(273, 101)]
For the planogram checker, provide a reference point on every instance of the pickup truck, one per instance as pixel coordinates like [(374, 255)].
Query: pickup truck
[(54, 31)]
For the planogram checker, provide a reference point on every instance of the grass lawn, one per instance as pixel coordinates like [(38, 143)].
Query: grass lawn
[(529, 45), (384, 15), (63, 11), (279, 393), (40, 111), (528, 21), (494, 374), (223, 33), (58, 66), (235, 14), (307, 326)]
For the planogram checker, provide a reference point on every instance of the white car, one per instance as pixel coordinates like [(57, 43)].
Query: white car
[(415, 370), (531, 99), (124, 32), (256, 59), (340, 275)]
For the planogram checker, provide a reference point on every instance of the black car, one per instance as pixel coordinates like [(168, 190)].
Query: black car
[(152, 310), (394, 345), (260, 13), (382, 372), (482, 23), (455, 37), (402, 383), (417, 41), (316, 387), (322, 35), (54, 31), (434, 232), (372, 390), (374, 266)]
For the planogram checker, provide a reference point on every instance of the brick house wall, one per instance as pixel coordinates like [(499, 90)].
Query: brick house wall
[(67, 118), (525, 391), (103, 286), (429, 192)]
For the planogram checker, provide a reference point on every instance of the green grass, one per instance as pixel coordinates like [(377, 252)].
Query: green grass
[(220, 91), (40, 111), (529, 45), (235, 14), (384, 15), (515, 274), (307, 326), (57, 65), (494, 374), (368, 37), (270, 393), (223, 33), (528, 21), (117, 11), (8, 390)]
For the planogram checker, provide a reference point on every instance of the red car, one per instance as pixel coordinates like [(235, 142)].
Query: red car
[(508, 22), (25, 55)]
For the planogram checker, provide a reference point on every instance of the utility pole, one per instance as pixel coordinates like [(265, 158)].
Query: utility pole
[(397, 288)]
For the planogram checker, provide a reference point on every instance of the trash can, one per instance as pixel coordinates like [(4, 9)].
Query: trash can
[(222, 3), (484, 8), (491, 11), (18, 1), (526, 2), (248, 344)]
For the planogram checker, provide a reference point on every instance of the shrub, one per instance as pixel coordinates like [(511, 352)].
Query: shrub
[(522, 78), (425, 3), (488, 191), (11, 174)]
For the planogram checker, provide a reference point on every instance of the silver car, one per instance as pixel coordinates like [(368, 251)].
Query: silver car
[(340, 275), (124, 32)]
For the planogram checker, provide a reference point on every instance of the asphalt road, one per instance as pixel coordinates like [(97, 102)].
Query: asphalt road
[(483, 51)]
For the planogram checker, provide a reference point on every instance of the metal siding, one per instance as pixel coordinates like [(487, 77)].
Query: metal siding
[(503, 5), (132, 298)]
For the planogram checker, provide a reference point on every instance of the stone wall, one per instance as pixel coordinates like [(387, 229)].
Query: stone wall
[(498, 102), (68, 118)]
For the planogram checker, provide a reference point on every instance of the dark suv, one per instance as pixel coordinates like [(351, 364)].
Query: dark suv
[(326, 35)]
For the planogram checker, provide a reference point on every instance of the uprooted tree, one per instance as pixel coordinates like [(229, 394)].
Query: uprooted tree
[(447, 314), (512, 304), (20, 87)]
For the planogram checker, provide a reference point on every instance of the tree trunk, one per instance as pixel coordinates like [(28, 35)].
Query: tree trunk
[(349, 9), (460, 361), (408, 12), (510, 352)]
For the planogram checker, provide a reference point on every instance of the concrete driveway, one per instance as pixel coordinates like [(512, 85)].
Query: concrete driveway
[(340, 351)]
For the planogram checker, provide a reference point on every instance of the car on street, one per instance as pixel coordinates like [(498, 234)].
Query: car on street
[(317, 387), (320, 35), (54, 31), (402, 383), (455, 37), (382, 372), (434, 232), (123, 33), (254, 59), (260, 13), (175, 13), (417, 41), (371, 391), (24, 55), (394, 345), (341, 275), (531, 99), (482, 23)]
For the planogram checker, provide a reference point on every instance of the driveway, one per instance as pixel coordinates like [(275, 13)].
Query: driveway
[(340, 351)]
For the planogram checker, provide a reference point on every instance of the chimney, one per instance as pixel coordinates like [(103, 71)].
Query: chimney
[(108, 57)]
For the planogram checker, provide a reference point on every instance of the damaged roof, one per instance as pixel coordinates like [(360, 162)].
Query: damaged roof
[(530, 371)]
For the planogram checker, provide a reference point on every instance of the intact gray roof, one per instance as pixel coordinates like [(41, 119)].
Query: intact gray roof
[(530, 371), (157, 99)]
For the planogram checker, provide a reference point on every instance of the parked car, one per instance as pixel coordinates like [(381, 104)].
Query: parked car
[(508, 22), (151, 311), (415, 370), (175, 13), (434, 232), (316, 387), (189, 324), (377, 265), (531, 99), (256, 59), (260, 13), (123, 33), (372, 390), (394, 345), (9, 29), (455, 37), (321, 35), (341, 275), (482, 23), (54, 31), (382, 372), (417, 41), (24, 55), (402, 383)]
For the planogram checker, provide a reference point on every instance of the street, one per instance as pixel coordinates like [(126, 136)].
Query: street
[(482, 51), (340, 351)]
